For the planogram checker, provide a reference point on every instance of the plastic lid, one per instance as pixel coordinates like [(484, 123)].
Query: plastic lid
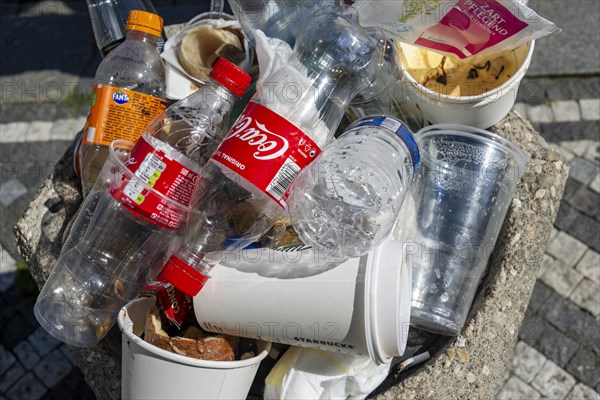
[(181, 275), (230, 76), (144, 22), (388, 292)]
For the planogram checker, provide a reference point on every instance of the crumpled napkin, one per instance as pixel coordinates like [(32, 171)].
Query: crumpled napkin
[(304, 373)]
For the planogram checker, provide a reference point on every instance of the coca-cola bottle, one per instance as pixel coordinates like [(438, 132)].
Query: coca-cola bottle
[(300, 101)]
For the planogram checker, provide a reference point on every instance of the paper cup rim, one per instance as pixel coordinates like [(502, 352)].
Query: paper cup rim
[(126, 325), (437, 97)]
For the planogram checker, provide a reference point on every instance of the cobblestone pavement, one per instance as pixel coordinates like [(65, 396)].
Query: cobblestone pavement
[(42, 106)]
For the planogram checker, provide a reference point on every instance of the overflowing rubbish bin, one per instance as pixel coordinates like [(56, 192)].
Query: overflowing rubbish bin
[(326, 214)]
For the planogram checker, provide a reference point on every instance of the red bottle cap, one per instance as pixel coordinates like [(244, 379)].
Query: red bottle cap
[(230, 76), (185, 278)]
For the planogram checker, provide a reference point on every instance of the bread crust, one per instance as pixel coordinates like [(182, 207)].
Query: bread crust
[(197, 343)]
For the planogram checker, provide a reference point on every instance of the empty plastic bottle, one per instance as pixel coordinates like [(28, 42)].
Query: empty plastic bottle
[(347, 201), (129, 94)]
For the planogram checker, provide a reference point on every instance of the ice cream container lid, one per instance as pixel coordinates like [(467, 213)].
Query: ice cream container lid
[(144, 22)]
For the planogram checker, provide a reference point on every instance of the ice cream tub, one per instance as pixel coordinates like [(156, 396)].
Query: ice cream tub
[(476, 93), (149, 372), (361, 306)]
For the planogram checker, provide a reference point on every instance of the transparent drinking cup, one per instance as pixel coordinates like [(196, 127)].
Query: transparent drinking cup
[(452, 217)]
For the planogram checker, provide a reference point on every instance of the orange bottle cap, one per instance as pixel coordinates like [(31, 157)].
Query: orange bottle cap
[(144, 22)]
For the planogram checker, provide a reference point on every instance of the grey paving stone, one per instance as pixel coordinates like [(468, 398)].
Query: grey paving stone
[(566, 249), (532, 91), (565, 53), (595, 184), (527, 361), (577, 147), (572, 88), (17, 330), (586, 201), (587, 296), (53, 368), (10, 191), (28, 387), (566, 216), (17, 112), (532, 327), (590, 108), (585, 366), (515, 388), (547, 261), (565, 110), (13, 132), (589, 265), (42, 341), (7, 359), (553, 382), (593, 153), (556, 346), (587, 231), (566, 131), (582, 170), (582, 392), (539, 295), (8, 269), (540, 113), (26, 354), (12, 374), (76, 48), (562, 278), (571, 187)]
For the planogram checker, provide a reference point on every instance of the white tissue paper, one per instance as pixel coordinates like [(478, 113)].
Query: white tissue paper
[(303, 373)]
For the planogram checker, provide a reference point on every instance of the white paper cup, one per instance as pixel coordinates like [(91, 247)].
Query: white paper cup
[(153, 373), (480, 111), (360, 307)]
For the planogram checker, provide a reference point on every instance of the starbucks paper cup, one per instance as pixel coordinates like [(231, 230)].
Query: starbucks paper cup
[(153, 373), (480, 111), (360, 307)]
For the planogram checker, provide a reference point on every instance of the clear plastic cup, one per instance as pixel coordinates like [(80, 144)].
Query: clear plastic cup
[(452, 217), (112, 245)]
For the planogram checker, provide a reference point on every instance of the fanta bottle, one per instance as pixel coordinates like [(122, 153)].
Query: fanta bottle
[(129, 93)]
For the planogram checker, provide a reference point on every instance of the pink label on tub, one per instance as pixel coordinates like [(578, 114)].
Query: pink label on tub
[(470, 27)]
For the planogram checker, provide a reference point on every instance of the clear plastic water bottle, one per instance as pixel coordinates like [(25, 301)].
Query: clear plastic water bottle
[(299, 103), (347, 201), (129, 94)]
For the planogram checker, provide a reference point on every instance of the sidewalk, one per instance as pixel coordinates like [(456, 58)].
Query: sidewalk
[(42, 105)]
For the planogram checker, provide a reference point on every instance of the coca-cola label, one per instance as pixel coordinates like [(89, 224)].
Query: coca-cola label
[(267, 150), (175, 304), (172, 186)]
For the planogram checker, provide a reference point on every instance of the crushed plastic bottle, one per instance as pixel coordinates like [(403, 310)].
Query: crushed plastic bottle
[(347, 201)]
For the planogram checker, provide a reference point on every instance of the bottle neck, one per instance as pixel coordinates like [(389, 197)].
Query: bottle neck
[(142, 37)]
